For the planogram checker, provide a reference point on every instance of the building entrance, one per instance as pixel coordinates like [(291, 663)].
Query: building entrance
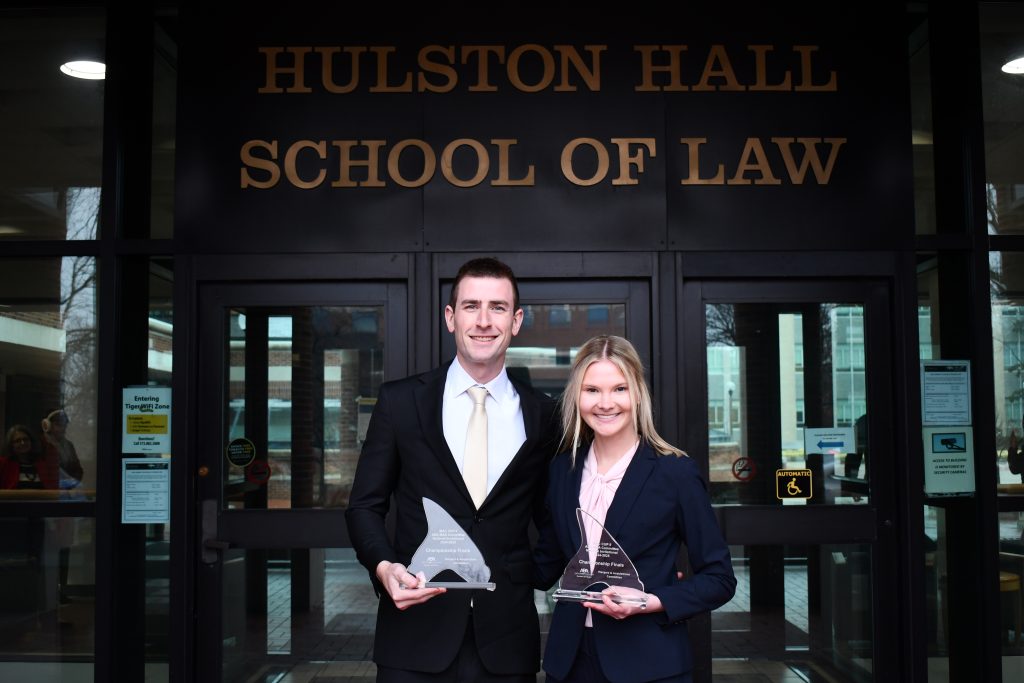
[(791, 381), (288, 376)]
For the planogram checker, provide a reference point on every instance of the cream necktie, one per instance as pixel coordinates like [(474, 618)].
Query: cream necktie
[(474, 462)]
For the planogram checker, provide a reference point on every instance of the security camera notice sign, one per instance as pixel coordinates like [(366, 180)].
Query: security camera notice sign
[(146, 419), (948, 461)]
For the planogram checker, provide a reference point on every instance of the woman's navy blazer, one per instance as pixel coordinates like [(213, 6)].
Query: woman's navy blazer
[(662, 502)]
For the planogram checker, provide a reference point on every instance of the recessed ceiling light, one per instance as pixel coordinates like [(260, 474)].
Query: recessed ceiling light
[(85, 69), (1014, 62)]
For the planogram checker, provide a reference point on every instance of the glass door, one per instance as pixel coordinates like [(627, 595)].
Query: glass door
[(289, 375), (795, 425), (288, 380)]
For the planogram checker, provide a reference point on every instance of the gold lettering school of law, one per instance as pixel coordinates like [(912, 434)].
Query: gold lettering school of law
[(562, 68), (263, 166)]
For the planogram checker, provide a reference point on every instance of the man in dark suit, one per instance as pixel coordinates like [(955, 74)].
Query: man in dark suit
[(416, 447)]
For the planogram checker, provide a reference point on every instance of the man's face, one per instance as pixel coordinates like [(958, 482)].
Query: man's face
[(483, 323), (57, 429)]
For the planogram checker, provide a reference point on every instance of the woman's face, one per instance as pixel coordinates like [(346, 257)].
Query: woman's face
[(606, 405), (21, 443)]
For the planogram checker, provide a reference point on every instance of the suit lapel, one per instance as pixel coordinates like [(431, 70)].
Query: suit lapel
[(531, 409), (573, 480), (429, 400), (630, 488)]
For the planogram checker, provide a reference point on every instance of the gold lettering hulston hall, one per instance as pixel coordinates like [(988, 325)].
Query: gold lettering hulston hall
[(533, 68), (562, 68), (678, 73)]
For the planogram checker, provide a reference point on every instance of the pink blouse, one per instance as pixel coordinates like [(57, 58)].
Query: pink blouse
[(596, 494)]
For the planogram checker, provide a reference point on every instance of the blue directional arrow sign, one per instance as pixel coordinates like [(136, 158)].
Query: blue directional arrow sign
[(829, 440)]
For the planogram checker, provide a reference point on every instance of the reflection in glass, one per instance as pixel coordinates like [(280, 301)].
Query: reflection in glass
[(800, 613), (301, 387), (47, 598), (48, 372), (1003, 107), (921, 120), (165, 82), (158, 536), (546, 345), (51, 126), (1011, 594), (308, 612), (773, 371), (1007, 279)]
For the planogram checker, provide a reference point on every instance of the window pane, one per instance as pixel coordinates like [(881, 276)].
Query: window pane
[(1008, 361), (800, 613), (51, 130), (48, 371), (763, 397), (302, 384), (47, 599), (919, 51), (551, 334), (165, 82), (1002, 29), (158, 536)]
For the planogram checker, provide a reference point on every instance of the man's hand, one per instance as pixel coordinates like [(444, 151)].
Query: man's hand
[(615, 610), (403, 587)]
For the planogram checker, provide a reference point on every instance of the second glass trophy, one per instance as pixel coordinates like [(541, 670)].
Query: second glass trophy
[(611, 568)]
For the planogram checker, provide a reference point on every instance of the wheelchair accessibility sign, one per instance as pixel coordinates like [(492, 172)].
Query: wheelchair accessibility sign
[(792, 484)]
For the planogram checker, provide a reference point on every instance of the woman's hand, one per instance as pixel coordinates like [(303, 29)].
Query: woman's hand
[(631, 602)]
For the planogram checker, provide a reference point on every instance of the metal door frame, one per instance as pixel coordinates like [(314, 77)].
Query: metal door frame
[(759, 525), (263, 529)]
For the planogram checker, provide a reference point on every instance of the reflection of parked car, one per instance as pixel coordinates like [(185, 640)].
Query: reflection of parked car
[(718, 436)]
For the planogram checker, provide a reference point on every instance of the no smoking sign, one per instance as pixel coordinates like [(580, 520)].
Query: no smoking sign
[(744, 469)]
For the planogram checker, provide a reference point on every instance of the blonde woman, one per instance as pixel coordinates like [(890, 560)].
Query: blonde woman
[(651, 498)]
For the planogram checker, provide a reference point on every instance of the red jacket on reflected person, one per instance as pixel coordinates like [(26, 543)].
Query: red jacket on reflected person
[(46, 469)]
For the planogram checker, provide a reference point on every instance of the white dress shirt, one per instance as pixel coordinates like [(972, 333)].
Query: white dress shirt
[(505, 430)]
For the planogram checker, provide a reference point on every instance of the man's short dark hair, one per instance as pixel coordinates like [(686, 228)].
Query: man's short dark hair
[(485, 267)]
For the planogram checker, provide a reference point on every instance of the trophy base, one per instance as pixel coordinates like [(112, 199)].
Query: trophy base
[(595, 596), (460, 584)]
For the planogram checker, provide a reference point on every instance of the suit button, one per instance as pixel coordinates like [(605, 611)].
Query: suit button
[(478, 519)]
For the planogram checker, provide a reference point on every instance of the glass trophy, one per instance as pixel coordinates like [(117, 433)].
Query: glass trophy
[(447, 546), (612, 567)]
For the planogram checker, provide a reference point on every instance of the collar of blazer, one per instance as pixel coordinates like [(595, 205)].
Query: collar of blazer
[(626, 495), (429, 401)]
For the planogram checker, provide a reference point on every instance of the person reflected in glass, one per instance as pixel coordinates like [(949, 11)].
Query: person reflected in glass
[(59, 447), (651, 498), (23, 464)]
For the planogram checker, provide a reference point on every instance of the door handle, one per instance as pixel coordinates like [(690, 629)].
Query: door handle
[(212, 546)]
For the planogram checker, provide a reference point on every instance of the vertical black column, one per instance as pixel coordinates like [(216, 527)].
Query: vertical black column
[(757, 332), (965, 332), (123, 347)]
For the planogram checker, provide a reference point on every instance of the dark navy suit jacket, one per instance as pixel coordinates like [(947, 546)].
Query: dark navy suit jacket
[(662, 502), (405, 458)]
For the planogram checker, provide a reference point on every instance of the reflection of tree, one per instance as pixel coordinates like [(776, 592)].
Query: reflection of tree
[(1006, 327), (825, 340), (721, 324), (78, 317), (77, 313)]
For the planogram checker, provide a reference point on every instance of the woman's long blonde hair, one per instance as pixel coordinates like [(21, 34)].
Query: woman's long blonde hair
[(622, 354)]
